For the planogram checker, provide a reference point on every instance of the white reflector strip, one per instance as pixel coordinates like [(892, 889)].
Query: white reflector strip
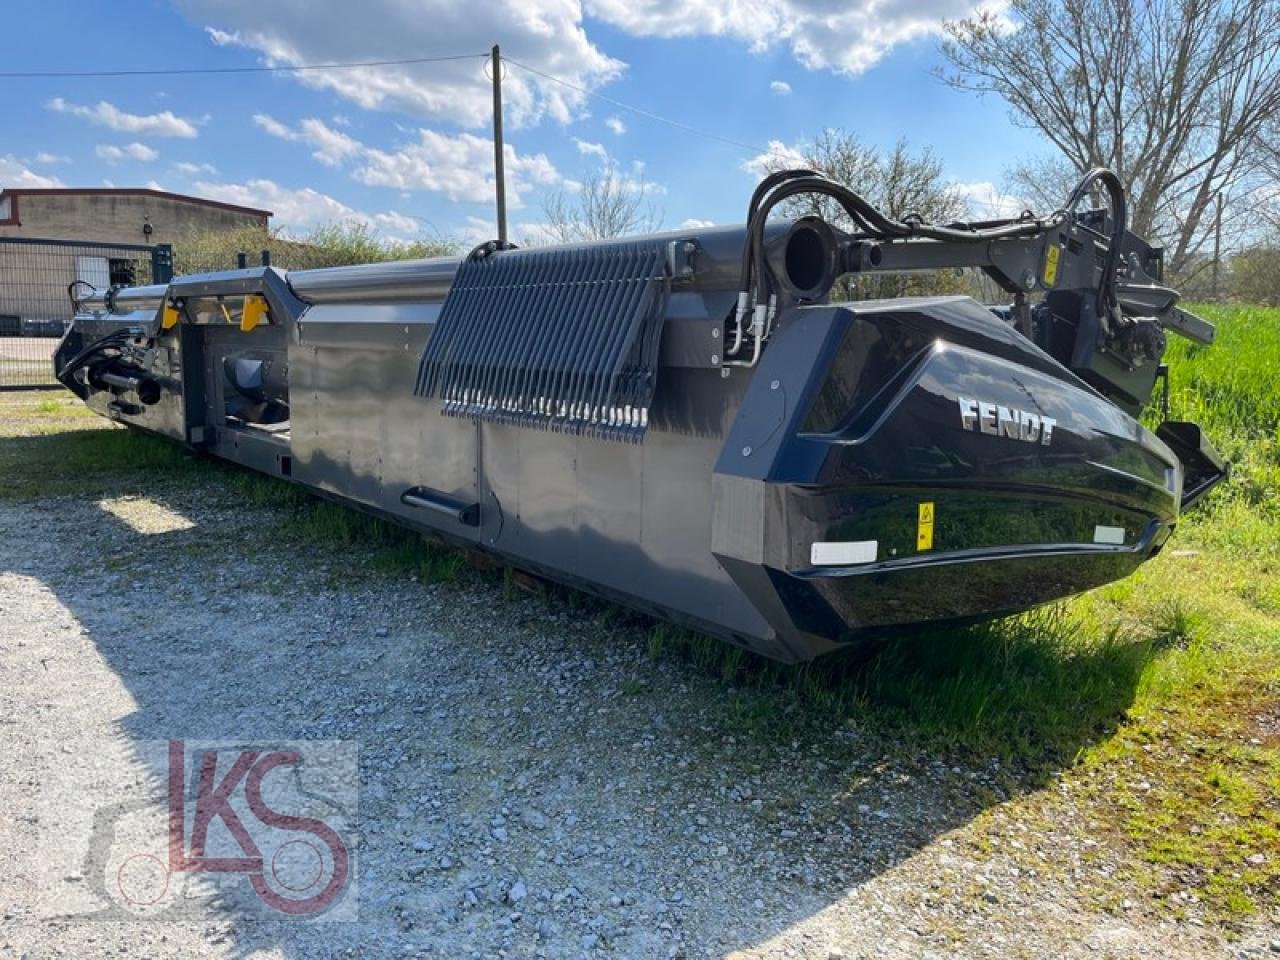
[(1113, 535), (844, 554)]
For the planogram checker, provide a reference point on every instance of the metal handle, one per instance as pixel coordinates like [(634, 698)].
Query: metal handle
[(465, 513)]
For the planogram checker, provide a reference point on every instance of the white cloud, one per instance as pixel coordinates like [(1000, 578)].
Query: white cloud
[(616, 125), (130, 151), (548, 35), (195, 169), (396, 222), (104, 114), (13, 173), (781, 88), (778, 155), (693, 223), (845, 37), (305, 208), (458, 166), (984, 200), (589, 149), (49, 158), (332, 146), (274, 126), (524, 234)]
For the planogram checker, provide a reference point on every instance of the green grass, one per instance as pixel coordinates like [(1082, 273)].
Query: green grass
[(51, 446), (1169, 678), (1158, 679)]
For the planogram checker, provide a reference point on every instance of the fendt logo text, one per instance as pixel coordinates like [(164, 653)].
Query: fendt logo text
[(1002, 421)]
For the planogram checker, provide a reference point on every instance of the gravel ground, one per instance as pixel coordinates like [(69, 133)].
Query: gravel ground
[(530, 782)]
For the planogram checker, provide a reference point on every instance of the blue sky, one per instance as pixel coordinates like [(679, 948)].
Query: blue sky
[(407, 149)]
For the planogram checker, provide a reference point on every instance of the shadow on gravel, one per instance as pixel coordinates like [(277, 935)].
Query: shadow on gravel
[(93, 459), (545, 777)]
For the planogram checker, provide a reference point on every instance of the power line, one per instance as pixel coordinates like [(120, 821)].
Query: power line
[(351, 65), (188, 71), (754, 148)]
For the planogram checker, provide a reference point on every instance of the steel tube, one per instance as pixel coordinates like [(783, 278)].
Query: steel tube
[(148, 390), (417, 280), (125, 299)]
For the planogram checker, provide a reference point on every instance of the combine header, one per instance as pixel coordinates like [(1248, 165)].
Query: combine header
[(685, 423)]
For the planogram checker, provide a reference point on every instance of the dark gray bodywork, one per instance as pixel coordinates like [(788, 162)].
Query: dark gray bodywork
[(711, 516)]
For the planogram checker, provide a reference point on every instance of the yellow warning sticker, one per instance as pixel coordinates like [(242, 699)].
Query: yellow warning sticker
[(924, 526), (1051, 258), (170, 318)]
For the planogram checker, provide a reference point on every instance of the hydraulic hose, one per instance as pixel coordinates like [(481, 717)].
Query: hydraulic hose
[(877, 225), (1119, 215), (112, 341)]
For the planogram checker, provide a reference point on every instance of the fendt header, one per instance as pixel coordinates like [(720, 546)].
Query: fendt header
[(685, 423)]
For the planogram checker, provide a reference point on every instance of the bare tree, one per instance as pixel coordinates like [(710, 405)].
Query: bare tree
[(1171, 94), (1268, 194), (608, 204), (899, 182)]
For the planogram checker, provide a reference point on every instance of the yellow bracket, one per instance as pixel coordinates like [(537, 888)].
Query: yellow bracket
[(254, 312), (169, 319), (1051, 258)]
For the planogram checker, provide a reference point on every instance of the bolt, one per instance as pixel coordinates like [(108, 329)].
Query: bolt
[(746, 451), (715, 358), (724, 373), (775, 384), (715, 333)]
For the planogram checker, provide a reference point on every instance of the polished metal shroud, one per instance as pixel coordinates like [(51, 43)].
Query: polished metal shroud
[(561, 339)]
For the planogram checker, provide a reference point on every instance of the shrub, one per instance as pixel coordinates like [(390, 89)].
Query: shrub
[(1255, 275), (331, 245)]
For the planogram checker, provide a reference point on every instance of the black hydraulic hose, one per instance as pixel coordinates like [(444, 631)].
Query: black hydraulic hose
[(1119, 215), (75, 304), (109, 342), (880, 226), (861, 212), (762, 188), (755, 228), (772, 180)]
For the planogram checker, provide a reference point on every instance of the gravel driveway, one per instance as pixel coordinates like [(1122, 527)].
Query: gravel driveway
[(530, 782)]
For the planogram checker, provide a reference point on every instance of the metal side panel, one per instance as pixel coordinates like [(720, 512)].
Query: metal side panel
[(677, 494), (634, 518), (357, 428)]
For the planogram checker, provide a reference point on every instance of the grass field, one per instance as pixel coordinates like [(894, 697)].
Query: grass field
[(1147, 710)]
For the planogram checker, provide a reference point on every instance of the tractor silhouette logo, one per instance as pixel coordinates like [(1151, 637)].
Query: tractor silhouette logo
[(232, 811)]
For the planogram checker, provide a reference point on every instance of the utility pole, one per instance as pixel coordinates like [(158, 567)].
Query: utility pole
[(499, 173), (1217, 247)]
